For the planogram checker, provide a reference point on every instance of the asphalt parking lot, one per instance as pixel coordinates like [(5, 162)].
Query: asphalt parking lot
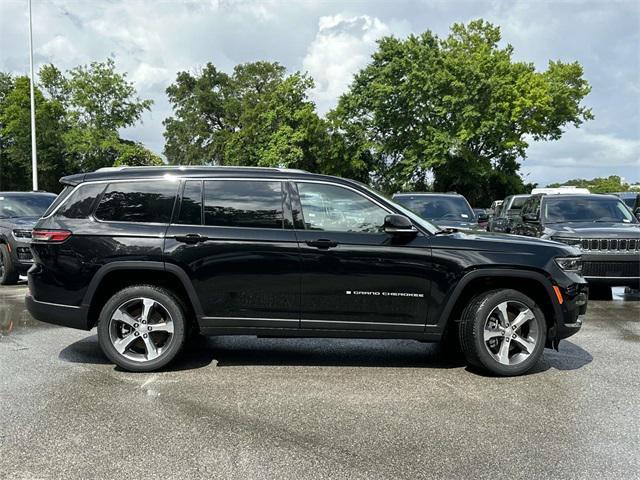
[(268, 408)]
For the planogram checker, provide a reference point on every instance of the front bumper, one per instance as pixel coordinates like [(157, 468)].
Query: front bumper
[(612, 269), (573, 306), (21, 256)]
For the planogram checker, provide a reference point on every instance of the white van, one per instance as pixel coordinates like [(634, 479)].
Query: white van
[(561, 190)]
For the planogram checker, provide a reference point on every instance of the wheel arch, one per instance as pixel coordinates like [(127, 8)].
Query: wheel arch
[(117, 275), (534, 284)]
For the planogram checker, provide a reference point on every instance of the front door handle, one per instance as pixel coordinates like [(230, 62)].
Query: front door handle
[(322, 243), (191, 238)]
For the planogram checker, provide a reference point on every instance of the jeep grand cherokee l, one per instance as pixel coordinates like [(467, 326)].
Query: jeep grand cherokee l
[(447, 210), (601, 226), (150, 254), (19, 212)]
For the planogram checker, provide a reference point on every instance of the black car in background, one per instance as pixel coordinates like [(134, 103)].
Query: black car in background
[(148, 255), (447, 210), (509, 210), (601, 226), (631, 199), (19, 212)]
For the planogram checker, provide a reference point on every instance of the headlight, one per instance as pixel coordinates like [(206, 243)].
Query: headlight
[(574, 242), (570, 264), (22, 235)]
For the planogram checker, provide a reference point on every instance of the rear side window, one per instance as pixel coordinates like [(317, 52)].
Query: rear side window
[(148, 202), (80, 203), (238, 203)]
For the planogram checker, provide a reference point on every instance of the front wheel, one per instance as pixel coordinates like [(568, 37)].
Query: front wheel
[(8, 273), (503, 331), (142, 328)]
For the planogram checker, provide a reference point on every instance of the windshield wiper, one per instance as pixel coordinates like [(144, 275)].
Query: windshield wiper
[(446, 231)]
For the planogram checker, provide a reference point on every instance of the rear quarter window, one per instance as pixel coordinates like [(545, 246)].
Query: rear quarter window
[(144, 201), (80, 203)]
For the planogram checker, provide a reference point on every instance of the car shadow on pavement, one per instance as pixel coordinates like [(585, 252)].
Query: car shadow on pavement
[(231, 351)]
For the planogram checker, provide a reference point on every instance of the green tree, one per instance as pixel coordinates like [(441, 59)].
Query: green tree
[(256, 116), (15, 137), (97, 102), (458, 108), (610, 184)]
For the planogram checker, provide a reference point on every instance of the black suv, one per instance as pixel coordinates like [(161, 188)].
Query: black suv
[(503, 221), (447, 210), (149, 255), (19, 212), (601, 226)]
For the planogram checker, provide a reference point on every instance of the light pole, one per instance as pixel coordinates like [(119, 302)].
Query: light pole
[(34, 156)]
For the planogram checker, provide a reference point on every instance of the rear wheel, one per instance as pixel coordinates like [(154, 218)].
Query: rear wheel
[(503, 331), (142, 328), (8, 272)]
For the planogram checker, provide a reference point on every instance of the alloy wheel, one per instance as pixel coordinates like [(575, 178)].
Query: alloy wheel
[(141, 329), (510, 333)]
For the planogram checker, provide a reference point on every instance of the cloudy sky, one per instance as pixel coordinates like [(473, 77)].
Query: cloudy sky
[(152, 40)]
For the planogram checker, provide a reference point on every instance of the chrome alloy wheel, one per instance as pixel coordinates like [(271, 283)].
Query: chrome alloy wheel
[(510, 333), (141, 329)]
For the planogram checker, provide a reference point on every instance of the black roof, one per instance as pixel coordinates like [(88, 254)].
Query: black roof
[(119, 173)]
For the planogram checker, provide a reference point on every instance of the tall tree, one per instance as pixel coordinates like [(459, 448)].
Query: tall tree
[(98, 102), (459, 108), (15, 137), (256, 116)]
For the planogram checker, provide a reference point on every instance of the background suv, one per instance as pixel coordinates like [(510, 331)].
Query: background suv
[(601, 226), (150, 254), (510, 209), (19, 212), (447, 210)]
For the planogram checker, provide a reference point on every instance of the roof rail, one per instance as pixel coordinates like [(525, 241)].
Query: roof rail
[(188, 167)]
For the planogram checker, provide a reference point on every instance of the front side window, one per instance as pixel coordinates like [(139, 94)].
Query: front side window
[(147, 202), (243, 203), (337, 209)]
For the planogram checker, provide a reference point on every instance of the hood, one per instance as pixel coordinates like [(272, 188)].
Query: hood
[(26, 223), (593, 230), (460, 225), (506, 244)]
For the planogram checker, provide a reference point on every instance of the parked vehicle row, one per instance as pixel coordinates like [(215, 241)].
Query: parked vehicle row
[(150, 255), (19, 212)]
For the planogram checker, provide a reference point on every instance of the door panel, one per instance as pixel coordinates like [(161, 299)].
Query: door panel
[(243, 276), (363, 279)]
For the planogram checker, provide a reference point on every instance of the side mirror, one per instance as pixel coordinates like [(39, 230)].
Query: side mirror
[(483, 217), (398, 225), (530, 218), (637, 213)]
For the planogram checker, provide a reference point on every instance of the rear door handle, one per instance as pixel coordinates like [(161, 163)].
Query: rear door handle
[(191, 238), (322, 243)]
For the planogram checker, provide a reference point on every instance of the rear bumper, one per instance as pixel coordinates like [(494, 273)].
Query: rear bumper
[(63, 315)]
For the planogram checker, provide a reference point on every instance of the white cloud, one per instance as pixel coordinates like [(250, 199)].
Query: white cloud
[(341, 47)]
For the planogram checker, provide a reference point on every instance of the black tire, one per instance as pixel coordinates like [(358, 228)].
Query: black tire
[(600, 292), (472, 327), (8, 272), (169, 303)]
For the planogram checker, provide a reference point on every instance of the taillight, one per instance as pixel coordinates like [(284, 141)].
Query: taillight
[(51, 236)]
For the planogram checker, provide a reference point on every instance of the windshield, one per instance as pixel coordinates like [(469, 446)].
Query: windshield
[(517, 203), (586, 209), (438, 207), (24, 205)]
